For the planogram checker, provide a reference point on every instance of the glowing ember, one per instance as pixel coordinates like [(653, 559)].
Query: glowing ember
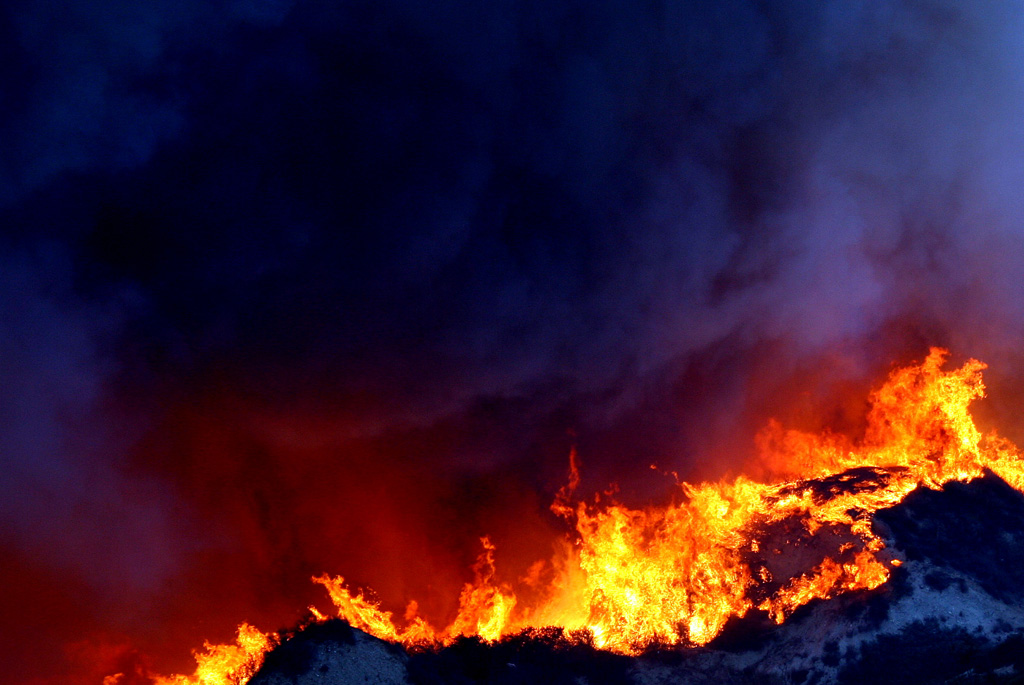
[(677, 574)]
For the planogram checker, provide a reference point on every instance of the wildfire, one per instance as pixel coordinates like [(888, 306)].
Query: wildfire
[(227, 664), (676, 574)]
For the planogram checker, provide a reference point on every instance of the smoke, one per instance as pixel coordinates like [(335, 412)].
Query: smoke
[(291, 289)]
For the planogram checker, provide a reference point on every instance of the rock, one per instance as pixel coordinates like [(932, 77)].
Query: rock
[(332, 653)]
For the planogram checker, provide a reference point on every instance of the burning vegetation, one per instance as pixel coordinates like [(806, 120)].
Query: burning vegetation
[(627, 579)]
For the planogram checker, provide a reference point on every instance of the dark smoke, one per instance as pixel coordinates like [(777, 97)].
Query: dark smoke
[(291, 288)]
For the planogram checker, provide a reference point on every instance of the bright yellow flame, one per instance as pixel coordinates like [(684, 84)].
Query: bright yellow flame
[(227, 664), (677, 574)]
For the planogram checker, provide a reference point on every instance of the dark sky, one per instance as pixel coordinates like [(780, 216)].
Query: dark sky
[(300, 287)]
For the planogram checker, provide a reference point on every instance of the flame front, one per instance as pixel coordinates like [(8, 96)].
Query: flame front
[(629, 578), (227, 664), (677, 574)]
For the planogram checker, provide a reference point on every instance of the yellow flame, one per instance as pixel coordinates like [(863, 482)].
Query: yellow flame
[(227, 664), (676, 574)]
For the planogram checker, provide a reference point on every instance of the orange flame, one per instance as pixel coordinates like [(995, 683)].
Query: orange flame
[(676, 574), (227, 664)]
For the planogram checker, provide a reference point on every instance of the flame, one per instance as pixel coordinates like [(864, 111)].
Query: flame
[(676, 574), (227, 664)]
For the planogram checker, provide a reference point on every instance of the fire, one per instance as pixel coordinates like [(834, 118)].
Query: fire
[(227, 664), (676, 574)]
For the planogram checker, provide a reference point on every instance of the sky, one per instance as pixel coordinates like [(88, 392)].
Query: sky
[(298, 287)]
